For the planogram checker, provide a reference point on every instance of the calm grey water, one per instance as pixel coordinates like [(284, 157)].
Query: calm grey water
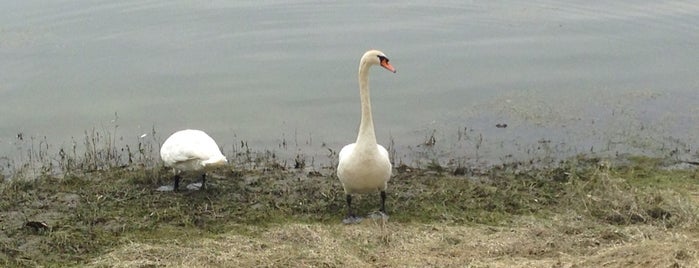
[(566, 77)]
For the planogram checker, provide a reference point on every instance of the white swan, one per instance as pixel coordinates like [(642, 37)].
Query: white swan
[(191, 150), (364, 166)]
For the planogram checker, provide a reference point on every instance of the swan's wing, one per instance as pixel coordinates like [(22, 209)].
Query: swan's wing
[(384, 154), (383, 151), (346, 151), (189, 145)]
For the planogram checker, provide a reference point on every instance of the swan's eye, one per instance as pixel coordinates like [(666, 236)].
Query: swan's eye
[(382, 58)]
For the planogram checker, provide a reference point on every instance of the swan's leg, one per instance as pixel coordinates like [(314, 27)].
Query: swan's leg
[(349, 207), (177, 182), (203, 181), (383, 202), (351, 218)]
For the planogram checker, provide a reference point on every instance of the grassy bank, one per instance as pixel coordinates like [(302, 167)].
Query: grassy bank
[(584, 212)]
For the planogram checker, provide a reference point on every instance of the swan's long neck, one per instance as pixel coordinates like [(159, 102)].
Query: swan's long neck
[(366, 136)]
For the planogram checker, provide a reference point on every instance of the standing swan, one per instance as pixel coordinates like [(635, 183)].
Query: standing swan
[(191, 150), (364, 166)]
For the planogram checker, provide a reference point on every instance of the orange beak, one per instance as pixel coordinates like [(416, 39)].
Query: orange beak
[(388, 66)]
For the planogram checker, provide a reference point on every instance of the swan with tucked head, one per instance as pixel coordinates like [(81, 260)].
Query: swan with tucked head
[(191, 150), (364, 166)]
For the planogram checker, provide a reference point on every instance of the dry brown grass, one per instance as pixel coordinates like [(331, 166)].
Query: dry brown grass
[(528, 244)]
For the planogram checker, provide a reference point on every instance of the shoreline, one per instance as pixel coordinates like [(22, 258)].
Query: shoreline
[(262, 213)]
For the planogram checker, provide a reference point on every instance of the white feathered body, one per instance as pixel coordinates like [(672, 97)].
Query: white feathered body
[(363, 170), (191, 150), (364, 166)]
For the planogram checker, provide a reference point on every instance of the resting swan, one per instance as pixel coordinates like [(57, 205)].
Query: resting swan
[(364, 166), (191, 150)]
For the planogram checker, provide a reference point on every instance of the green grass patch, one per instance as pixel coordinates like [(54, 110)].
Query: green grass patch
[(90, 214)]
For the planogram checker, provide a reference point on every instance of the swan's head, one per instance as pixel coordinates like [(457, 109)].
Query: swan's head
[(375, 57)]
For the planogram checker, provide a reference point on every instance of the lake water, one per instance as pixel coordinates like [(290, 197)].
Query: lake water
[(566, 77)]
